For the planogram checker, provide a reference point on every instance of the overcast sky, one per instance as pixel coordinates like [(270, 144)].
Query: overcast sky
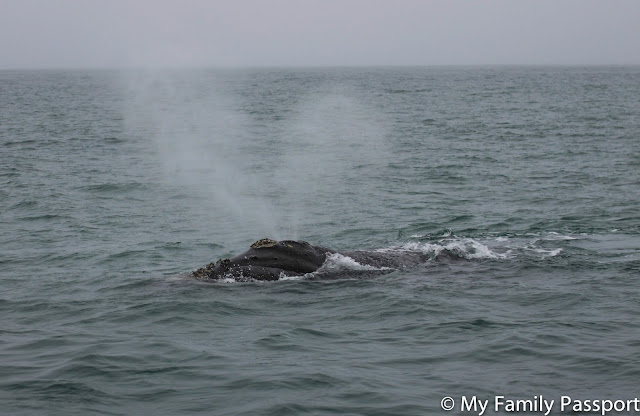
[(134, 33)]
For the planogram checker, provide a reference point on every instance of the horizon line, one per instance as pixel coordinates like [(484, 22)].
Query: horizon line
[(296, 66)]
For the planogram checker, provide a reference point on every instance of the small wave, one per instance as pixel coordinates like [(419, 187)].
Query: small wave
[(19, 142), (545, 253), (284, 276), (125, 254), (553, 236), (466, 248), (541, 244), (25, 204), (112, 187), (441, 234), (43, 217), (114, 140), (337, 261)]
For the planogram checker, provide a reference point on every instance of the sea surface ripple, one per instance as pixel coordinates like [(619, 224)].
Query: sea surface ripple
[(522, 184)]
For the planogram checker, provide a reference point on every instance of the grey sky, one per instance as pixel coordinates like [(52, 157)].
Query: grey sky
[(119, 33)]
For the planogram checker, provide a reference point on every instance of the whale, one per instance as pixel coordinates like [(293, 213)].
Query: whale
[(270, 260)]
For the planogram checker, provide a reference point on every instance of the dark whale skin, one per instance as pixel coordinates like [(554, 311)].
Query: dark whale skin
[(270, 260)]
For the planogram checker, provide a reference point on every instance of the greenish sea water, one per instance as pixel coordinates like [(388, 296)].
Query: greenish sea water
[(521, 183)]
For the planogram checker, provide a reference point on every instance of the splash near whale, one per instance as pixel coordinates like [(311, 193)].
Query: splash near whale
[(269, 260)]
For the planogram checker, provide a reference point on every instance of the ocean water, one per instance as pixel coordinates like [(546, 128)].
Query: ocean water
[(521, 183)]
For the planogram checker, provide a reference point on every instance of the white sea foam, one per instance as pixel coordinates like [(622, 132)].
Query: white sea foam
[(467, 248), (557, 236), (337, 261), (284, 276), (545, 252), (501, 247)]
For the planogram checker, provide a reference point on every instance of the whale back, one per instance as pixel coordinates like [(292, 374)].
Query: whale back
[(269, 259)]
